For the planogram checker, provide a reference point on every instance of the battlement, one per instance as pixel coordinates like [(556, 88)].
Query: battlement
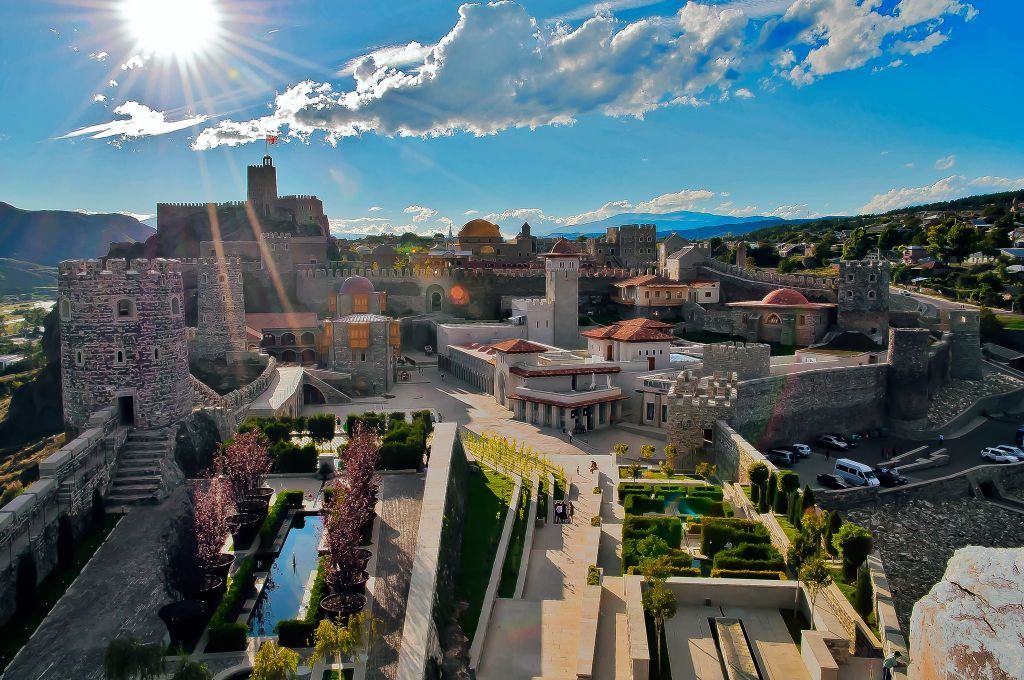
[(747, 361), (218, 262), (796, 281), (319, 271), (298, 197), (277, 236), (716, 389), (116, 267), (184, 205), (876, 265)]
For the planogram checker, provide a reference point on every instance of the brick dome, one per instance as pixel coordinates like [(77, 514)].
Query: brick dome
[(479, 228), (784, 296), (355, 284), (564, 247)]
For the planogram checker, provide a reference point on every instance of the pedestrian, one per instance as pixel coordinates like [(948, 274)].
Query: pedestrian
[(442, 377), (577, 470), (570, 437), (828, 453), (891, 662), (941, 439), (572, 511)]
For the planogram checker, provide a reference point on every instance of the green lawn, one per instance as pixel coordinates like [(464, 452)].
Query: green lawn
[(487, 502), (510, 570), (17, 631), (1012, 322), (791, 531)]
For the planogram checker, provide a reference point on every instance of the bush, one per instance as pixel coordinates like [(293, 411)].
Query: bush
[(597, 489), (403, 447), (26, 586), (225, 634), (276, 430), (635, 552), (370, 420), (595, 521), (292, 459), (854, 544), (295, 633), (764, 575), (670, 529), (781, 503), (863, 601), (65, 542), (278, 511), (750, 557), (424, 419), (716, 532), (321, 427), (593, 576)]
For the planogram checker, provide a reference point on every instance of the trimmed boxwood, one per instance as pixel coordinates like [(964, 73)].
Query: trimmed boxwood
[(290, 458), (750, 557), (736, 573), (717, 531), (668, 528), (278, 511), (225, 634), (298, 633)]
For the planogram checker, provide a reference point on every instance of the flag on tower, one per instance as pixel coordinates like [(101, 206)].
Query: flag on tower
[(271, 139)]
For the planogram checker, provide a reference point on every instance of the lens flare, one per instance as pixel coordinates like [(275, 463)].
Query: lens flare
[(177, 28)]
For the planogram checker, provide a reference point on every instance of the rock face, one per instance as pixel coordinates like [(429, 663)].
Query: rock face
[(970, 625)]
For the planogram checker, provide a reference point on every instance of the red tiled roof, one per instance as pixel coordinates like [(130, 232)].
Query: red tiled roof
[(633, 330), (567, 370), (650, 280), (263, 320), (784, 296), (518, 346), (554, 402)]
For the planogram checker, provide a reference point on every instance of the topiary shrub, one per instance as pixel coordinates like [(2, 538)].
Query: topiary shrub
[(670, 529), (716, 532), (750, 557), (595, 521), (763, 575), (854, 543), (593, 576), (863, 600), (225, 634), (295, 633)]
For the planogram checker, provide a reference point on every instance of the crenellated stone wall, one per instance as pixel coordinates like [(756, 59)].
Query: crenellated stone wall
[(746, 360), (695, 404), (907, 389)]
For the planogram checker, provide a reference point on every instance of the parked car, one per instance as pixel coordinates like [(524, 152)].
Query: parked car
[(851, 439), (1014, 451), (855, 473), (780, 457), (905, 292), (994, 455), (830, 441), (831, 481), (889, 476), (801, 450)]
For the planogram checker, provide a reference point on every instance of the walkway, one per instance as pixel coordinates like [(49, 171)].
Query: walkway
[(116, 596), (400, 515)]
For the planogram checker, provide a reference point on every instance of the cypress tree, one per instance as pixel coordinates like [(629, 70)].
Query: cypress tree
[(863, 595), (835, 521), (762, 501), (808, 499), (755, 491), (773, 487), (796, 509), (781, 502)]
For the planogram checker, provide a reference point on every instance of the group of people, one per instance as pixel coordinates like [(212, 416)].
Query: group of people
[(564, 512)]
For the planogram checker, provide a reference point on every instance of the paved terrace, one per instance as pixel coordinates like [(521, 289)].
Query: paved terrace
[(117, 595)]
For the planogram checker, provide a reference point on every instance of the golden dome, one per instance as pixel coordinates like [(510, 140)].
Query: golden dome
[(479, 228)]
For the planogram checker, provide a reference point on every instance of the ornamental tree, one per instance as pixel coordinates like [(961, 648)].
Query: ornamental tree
[(246, 463), (213, 504), (854, 544), (274, 662)]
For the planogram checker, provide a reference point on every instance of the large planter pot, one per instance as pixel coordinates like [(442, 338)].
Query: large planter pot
[(261, 494), (244, 526), (354, 582), (184, 620), (363, 555), (341, 606), (221, 565), (212, 589), (366, 531)]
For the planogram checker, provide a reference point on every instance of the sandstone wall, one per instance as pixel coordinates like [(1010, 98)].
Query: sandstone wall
[(798, 407)]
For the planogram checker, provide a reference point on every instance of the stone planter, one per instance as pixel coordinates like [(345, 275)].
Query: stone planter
[(339, 607), (184, 620), (354, 582), (221, 565), (244, 526), (212, 589), (366, 531)]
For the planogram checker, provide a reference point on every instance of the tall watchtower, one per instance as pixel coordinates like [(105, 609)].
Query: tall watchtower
[(562, 290), (122, 337), (965, 359), (864, 298), (221, 323), (262, 184)]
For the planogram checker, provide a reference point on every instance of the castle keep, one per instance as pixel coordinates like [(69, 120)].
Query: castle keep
[(122, 330), (221, 322)]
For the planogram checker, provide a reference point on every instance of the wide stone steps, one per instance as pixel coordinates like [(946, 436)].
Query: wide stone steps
[(139, 471)]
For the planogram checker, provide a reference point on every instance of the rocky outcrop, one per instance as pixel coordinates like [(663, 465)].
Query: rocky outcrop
[(195, 441), (970, 626), (917, 538)]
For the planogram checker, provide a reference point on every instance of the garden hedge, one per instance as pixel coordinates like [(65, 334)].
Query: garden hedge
[(286, 500), (670, 529), (290, 458), (750, 557), (225, 634), (734, 573), (717, 531), (298, 633)]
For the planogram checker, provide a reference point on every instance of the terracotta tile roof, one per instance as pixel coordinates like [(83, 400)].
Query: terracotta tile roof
[(633, 330), (540, 372), (555, 402), (518, 346), (650, 280), (281, 320)]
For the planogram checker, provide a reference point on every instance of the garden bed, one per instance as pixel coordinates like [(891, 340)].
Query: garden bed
[(516, 545)]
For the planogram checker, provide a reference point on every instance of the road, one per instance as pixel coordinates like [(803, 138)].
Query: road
[(964, 451)]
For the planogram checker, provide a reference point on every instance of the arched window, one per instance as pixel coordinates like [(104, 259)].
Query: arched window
[(119, 359), (308, 338), (175, 306), (871, 295), (288, 339), (79, 358), (849, 294), (125, 308), (65, 310), (773, 320), (871, 278)]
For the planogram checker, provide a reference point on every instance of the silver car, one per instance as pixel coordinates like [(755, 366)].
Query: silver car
[(1010, 451), (994, 455)]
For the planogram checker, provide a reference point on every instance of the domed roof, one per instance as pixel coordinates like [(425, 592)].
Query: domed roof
[(784, 296), (384, 249), (480, 228), (564, 247), (355, 284)]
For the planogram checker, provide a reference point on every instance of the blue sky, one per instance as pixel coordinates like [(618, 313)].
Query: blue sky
[(424, 112)]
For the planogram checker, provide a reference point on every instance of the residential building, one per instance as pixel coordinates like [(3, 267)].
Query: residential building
[(653, 295)]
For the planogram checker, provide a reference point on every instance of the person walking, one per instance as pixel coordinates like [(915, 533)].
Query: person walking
[(572, 511), (570, 437), (828, 454), (941, 440), (892, 662), (442, 377)]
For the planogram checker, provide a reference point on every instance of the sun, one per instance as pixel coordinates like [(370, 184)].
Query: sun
[(176, 28)]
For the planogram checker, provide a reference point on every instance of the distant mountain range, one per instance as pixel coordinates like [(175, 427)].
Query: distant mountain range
[(690, 224), (17, 277), (48, 236)]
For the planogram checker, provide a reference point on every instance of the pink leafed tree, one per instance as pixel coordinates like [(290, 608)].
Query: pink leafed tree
[(212, 503), (342, 522), (361, 457), (246, 462)]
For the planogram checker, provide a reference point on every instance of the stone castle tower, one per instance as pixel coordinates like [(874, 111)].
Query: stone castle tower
[(262, 184), (965, 349), (562, 290), (221, 322), (695, 404), (122, 336), (864, 298), (277, 248), (907, 381), (747, 360)]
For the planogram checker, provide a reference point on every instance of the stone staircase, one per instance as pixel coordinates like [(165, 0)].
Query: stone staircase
[(140, 469), (331, 393)]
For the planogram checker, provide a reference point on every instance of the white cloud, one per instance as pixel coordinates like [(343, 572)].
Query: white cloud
[(789, 212), (375, 226), (946, 162), (944, 189), (393, 56), (133, 62), (918, 47), (525, 214), (885, 153), (728, 208), (607, 210), (374, 208), (140, 121), (677, 200), (112, 83), (99, 56), (744, 93), (471, 212), (908, 165), (98, 98), (1002, 183), (419, 213)]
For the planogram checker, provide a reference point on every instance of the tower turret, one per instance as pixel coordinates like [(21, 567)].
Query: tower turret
[(864, 298), (562, 290), (262, 185), (221, 323)]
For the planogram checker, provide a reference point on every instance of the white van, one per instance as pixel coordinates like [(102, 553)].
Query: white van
[(856, 474)]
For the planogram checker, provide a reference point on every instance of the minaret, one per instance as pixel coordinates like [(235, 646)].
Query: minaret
[(562, 286)]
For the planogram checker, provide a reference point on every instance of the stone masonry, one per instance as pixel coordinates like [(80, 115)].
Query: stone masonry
[(864, 297), (122, 330), (747, 360), (965, 325), (907, 389), (694, 405), (221, 321)]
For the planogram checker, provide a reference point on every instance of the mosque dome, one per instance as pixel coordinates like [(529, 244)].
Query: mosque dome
[(564, 247), (784, 296), (479, 228), (355, 285)]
